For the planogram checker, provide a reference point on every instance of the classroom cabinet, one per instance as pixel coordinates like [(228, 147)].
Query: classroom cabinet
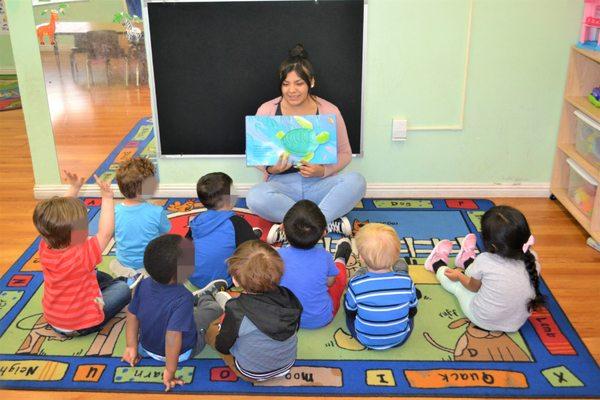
[(576, 171)]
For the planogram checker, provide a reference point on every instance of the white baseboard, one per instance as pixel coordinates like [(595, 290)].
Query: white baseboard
[(376, 190)]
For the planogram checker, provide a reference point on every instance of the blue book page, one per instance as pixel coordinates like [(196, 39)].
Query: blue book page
[(311, 138)]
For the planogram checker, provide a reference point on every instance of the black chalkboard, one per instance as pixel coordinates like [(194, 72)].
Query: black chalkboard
[(216, 62)]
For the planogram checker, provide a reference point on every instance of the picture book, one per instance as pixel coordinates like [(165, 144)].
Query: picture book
[(309, 138)]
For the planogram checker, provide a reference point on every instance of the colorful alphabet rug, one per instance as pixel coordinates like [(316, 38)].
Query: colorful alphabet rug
[(444, 356)]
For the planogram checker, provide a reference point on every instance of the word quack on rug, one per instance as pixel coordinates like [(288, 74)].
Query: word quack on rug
[(444, 356)]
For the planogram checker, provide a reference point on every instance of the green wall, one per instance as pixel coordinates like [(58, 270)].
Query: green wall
[(414, 69), (88, 10), (6, 58), (85, 10), (32, 88)]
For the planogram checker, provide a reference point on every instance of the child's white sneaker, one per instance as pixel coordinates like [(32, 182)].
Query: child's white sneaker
[(276, 234), (212, 288), (340, 225)]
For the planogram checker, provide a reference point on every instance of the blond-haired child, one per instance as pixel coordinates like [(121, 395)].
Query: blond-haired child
[(381, 303), (77, 299), (137, 221)]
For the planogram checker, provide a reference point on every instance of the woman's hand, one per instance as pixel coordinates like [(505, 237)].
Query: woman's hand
[(283, 164), (311, 170)]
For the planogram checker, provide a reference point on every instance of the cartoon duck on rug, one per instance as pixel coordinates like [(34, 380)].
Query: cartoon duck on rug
[(302, 142)]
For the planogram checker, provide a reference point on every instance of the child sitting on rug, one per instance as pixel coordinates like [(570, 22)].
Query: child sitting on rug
[(137, 221), (257, 338), (77, 299), (217, 231), (499, 289), (310, 272), (162, 312), (381, 303)]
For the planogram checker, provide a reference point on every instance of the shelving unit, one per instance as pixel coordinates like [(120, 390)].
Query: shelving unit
[(583, 75)]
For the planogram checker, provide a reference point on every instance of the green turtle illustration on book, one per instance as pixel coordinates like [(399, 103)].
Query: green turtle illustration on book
[(302, 142)]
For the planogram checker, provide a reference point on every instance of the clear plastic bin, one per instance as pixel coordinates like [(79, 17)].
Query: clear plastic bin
[(582, 188), (587, 140)]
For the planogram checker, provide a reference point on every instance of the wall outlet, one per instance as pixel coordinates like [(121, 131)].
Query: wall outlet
[(399, 129)]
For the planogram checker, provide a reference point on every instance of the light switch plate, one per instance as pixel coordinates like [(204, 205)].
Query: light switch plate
[(399, 129)]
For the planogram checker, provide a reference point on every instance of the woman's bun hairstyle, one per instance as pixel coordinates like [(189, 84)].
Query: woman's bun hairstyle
[(298, 62), (298, 52)]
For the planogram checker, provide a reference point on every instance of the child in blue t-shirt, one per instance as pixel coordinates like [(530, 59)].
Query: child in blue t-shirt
[(310, 272), (162, 312), (381, 303), (137, 222)]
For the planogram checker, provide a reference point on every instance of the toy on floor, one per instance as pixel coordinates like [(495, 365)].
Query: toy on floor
[(49, 28), (590, 24), (594, 97)]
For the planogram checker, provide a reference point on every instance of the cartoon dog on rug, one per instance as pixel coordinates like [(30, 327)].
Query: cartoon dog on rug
[(480, 345), (103, 344), (357, 224)]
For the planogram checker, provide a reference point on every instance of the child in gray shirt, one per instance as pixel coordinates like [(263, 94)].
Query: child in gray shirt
[(500, 287), (257, 337)]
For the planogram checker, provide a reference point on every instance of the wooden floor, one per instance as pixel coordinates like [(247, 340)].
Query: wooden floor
[(88, 129), (89, 123)]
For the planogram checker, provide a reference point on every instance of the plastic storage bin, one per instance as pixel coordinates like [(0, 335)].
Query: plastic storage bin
[(587, 140), (582, 188)]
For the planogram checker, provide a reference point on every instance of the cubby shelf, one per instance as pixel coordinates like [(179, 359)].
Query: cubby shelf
[(583, 75)]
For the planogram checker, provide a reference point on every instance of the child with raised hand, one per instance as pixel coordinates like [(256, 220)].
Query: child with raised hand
[(218, 231), (137, 221), (162, 312), (257, 338), (500, 287), (381, 303), (77, 299), (317, 279)]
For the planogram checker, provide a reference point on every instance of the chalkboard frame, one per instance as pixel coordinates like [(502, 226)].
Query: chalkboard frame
[(152, 85)]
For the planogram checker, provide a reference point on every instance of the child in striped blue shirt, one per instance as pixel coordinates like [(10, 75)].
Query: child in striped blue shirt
[(380, 304)]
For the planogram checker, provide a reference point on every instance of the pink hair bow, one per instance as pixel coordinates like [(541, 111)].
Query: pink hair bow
[(530, 242)]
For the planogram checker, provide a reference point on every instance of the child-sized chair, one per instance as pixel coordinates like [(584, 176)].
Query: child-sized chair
[(104, 47)]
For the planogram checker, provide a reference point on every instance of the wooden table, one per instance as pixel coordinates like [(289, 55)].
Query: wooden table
[(78, 27), (82, 28)]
